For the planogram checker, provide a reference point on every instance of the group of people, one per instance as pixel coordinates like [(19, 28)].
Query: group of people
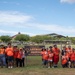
[(15, 57), (51, 56), (11, 56)]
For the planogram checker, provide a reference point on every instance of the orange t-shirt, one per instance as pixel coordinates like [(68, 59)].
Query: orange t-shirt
[(72, 56), (2, 51), (19, 56), (56, 51), (15, 53), (64, 60), (49, 51), (9, 51), (50, 56), (68, 54), (68, 49), (45, 55)]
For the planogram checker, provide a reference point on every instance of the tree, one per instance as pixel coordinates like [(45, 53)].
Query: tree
[(5, 38), (40, 38), (72, 39), (22, 37), (37, 39)]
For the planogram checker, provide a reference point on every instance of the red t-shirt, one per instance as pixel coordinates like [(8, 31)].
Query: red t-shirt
[(16, 53), (56, 51), (2, 51), (19, 56), (72, 56)]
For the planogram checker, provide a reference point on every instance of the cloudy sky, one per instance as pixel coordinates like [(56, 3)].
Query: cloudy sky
[(35, 17)]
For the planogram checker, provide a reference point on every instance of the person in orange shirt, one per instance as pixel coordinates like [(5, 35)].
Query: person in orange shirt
[(72, 58), (68, 53), (69, 49), (19, 58), (69, 62), (2, 56), (64, 60), (9, 52), (16, 50), (50, 58), (56, 52), (45, 58)]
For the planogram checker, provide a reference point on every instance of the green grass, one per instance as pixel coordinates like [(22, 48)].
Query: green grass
[(37, 71), (36, 62), (34, 67)]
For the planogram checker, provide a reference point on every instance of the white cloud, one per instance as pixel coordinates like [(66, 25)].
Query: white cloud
[(4, 32), (7, 17), (53, 28), (26, 22), (13, 3), (56, 28), (67, 1), (63, 30)]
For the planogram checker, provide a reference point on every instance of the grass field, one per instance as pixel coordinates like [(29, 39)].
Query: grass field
[(35, 61), (37, 71), (34, 67)]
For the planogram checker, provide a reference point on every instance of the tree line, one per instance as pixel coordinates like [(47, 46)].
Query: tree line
[(36, 39)]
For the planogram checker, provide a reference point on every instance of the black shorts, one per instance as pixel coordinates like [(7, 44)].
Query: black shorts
[(10, 58), (45, 62)]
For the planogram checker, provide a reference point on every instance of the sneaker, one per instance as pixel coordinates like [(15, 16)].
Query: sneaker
[(53, 67), (49, 67), (9, 67)]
